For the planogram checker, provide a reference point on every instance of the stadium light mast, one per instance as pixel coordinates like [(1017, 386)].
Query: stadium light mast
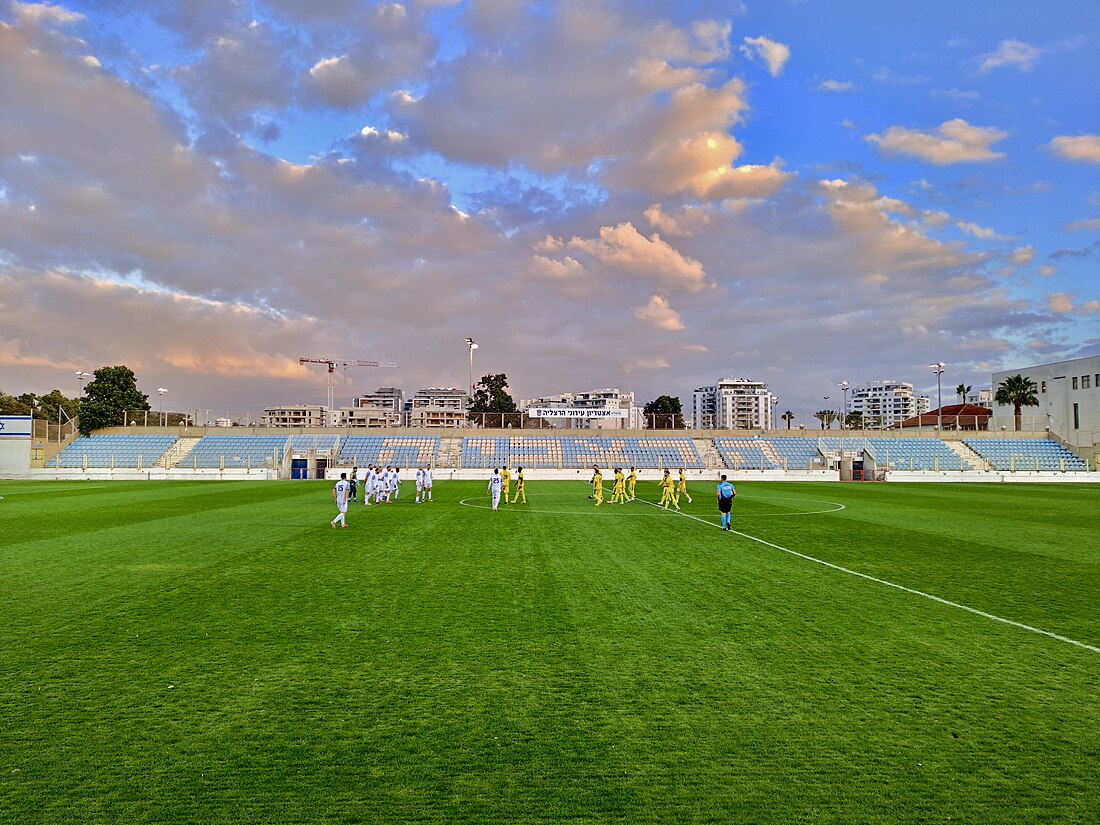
[(938, 369), (472, 344), (161, 391), (844, 411), (82, 377)]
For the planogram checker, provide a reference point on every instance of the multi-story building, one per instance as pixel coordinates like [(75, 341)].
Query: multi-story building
[(437, 407), (733, 404), (382, 408), (885, 403), (1069, 400), (599, 402), (293, 415)]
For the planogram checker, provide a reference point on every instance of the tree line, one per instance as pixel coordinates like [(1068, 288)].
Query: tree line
[(107, 397)]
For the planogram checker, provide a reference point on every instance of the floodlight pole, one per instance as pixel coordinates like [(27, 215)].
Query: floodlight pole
[(472, 345), (938, 369)]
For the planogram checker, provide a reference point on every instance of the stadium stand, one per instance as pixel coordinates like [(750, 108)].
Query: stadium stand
[(396, 450), (1012, 454), (237, 451), (581, 452), (915, 454), (769, 453), (114, 451), (303, 443)]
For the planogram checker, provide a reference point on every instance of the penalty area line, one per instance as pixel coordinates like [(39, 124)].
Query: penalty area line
[(903, 588)]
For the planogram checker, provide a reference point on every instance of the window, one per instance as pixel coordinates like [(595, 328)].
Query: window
[(1085, 381), (1076, 418), (1074, 380)]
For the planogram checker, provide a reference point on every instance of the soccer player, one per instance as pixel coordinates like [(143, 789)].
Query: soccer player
[(682, 487), (340, 497), (519, 487), (618, 494), (506, 482), (597, 484), (631, 480), (419, 483), (496, 484), (726, 492), (668, 492), (354, 484), (395, 482), (368, 484), (428, 483), (377, 485)]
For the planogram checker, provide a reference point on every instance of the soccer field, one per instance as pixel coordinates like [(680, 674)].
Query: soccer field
[(215, 652)]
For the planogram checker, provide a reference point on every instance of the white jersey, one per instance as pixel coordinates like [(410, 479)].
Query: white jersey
[(495, 484), (376, 482), (428, 478), (419, 478), (343, 488), (395, 480)]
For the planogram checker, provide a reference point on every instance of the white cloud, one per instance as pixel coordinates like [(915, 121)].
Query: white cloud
[(982, 233), (624, 249), (1080, 147), (775, 55), (1022, 255), (1086, 225), (659, 314), (1059, 302), (39, 14), (1047, 271), (1010, 53), (836, 86), (955, 141)]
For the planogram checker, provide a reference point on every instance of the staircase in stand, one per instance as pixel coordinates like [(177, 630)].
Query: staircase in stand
[(177, 452)]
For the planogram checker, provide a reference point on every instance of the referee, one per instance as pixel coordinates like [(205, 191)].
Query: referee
[(726, 492)]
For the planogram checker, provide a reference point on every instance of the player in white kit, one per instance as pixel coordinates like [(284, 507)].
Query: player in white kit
[(340, 495), (419, 483), (427, 484), (496, 484), (395, 482)]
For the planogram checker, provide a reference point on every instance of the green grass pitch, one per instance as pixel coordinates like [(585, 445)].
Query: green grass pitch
[(216, 653)]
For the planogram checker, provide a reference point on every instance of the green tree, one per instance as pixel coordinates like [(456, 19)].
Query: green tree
[(56, 408), (107, 396), (664, 413), (491, 396), (12, 405), (962, 391), (854, 421), (826, 417), (1019, 391), (788, 416)]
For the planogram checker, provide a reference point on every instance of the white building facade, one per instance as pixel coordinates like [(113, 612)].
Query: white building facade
[(885, 403), (734, 404), (610, 398), (437, 407), (382, 408), (291, 415), (1069, 401)]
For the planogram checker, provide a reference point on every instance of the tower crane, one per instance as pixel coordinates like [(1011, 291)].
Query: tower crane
[(333, 363)]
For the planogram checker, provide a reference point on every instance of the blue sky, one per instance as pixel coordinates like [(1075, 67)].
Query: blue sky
[(643, 195)]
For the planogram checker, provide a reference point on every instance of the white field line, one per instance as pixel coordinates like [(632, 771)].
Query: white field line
[(921, 593)]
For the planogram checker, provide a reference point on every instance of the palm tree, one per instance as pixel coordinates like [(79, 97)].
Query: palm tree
[(962, 391), (1019, 391), (788, 416)]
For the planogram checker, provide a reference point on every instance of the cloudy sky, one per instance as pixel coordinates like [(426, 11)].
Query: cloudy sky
[(645, 195)]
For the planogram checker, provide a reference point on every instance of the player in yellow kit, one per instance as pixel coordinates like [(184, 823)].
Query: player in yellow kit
[(520, 493), (681, 487), (631, 480), (597, 484), (668, 492), (618, 495), (506, 483)]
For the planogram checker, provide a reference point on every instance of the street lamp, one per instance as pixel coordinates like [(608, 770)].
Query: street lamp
[(775, 402), (938, 369), (844, 413), (161, 391), (472, 344)]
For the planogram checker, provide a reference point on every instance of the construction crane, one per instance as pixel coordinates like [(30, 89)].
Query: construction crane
[(333, 363)]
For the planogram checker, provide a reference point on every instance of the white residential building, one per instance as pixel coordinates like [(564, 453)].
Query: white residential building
[(733, 404), (885, 403), (292, 415), (437, 407), (610, 398), (382, 408), (1069, 400)]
